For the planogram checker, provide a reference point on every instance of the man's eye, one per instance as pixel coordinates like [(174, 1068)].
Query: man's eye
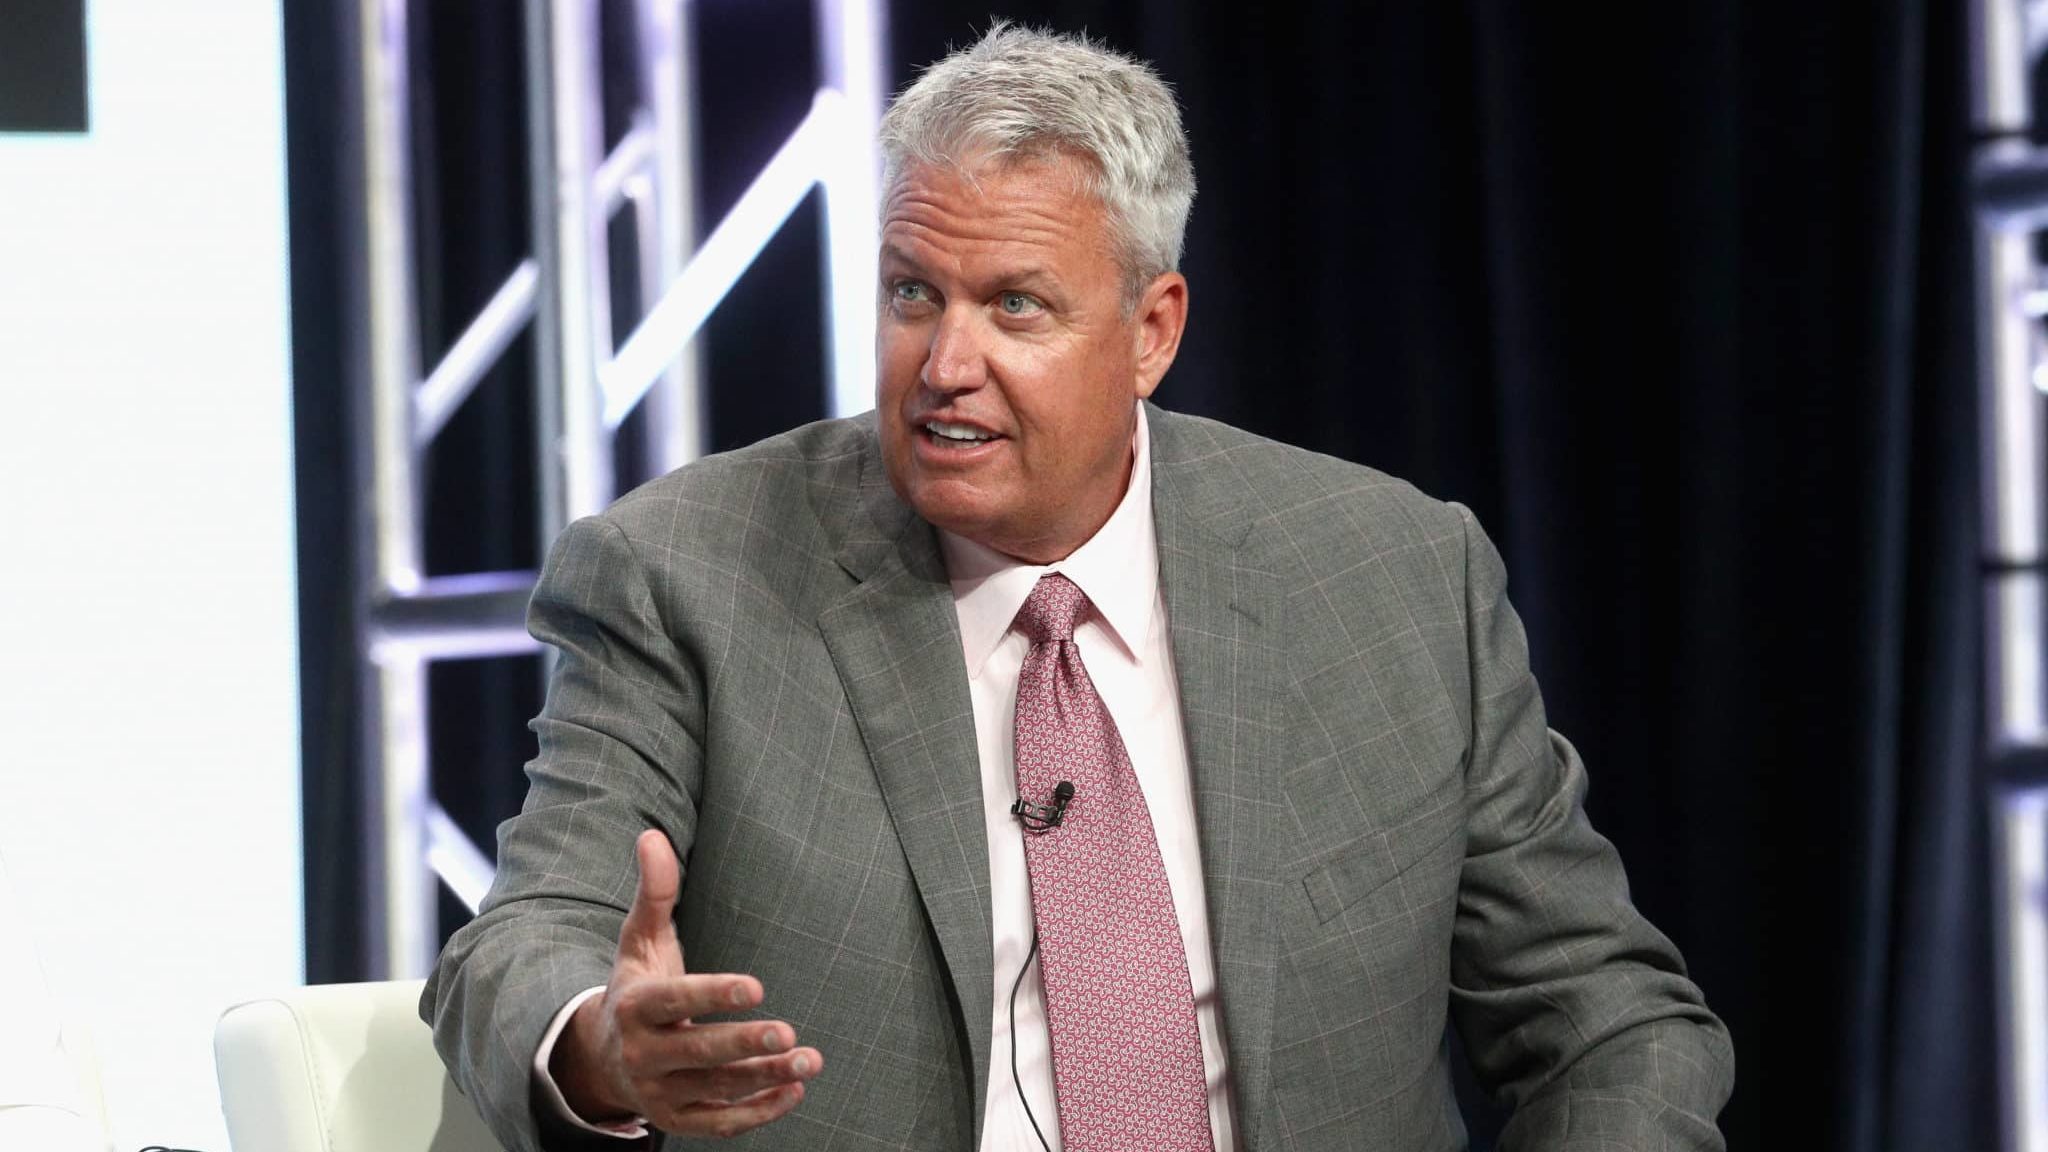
[(912, 292), (1018, 304)]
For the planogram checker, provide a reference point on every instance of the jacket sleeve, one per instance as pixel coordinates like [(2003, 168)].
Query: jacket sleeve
[(1573, 1008), (620, 752)]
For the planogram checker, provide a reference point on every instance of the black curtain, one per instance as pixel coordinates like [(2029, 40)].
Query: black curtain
[(1676, 297)]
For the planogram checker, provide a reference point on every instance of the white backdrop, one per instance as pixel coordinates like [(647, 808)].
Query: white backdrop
[(149, 761)]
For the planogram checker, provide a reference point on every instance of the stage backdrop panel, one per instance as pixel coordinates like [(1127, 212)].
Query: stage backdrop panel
[(149, 757)]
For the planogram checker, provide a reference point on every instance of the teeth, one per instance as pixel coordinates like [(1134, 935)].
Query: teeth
[(956, 431)]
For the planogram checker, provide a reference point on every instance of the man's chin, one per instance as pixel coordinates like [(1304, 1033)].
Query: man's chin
[(973, 524), (968, 515)]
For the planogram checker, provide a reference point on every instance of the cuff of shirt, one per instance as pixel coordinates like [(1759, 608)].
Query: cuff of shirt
[(551, 1092)]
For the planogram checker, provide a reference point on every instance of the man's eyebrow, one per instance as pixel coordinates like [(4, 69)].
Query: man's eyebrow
[(1031, 275), (893, 253), (1036, 277)]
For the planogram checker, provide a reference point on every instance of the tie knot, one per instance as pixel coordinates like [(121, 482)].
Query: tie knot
[(1051, 610)]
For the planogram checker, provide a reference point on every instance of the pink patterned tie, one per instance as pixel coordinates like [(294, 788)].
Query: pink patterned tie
[(1126, 1054)]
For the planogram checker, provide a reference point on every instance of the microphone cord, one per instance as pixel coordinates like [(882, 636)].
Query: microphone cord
[(1014, 1077)]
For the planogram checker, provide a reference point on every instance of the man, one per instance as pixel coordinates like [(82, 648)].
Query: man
[(1062, 772)]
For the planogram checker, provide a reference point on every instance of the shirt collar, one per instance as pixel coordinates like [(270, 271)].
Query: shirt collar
[(1117, 568)]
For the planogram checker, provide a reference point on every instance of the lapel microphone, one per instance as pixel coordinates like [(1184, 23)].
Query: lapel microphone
[(1044, 817), (1036, 819)]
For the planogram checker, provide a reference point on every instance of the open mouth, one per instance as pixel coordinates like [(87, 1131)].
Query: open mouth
[(956, 436)]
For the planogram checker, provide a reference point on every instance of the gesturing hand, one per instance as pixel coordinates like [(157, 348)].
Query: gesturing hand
[(636, 1050)]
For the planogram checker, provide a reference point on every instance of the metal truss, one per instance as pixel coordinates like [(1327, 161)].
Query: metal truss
[(2010, 206), (585, 388)]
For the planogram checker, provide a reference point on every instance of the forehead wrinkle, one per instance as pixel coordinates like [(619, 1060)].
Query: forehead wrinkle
[(1014, 222), (992, 259)]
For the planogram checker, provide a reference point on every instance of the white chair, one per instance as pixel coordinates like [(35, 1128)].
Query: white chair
[(340, 1068)]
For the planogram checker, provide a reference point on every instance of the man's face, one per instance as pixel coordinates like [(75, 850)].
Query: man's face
[(1008, 373)]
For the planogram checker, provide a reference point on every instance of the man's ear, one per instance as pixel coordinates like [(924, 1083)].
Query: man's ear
[(1162, 315)]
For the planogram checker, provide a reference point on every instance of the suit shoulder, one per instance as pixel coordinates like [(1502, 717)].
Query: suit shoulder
[(1354, 551), (1304, 492), (794, 482)]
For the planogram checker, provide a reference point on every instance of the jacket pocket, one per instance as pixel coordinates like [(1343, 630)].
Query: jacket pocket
[(1364, 867)]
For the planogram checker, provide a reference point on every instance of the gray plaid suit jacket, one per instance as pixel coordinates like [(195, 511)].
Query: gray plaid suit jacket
[(759, 656)]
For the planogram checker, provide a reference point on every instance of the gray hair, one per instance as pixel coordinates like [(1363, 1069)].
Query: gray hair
[(1027, 94)]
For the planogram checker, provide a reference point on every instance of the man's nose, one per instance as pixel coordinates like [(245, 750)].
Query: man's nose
[(956, 362)]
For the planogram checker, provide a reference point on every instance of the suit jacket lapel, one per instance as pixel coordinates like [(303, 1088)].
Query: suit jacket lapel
[(1225, 623), (895, 641)]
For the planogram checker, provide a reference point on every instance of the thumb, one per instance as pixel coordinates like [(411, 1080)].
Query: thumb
[(648, 938)]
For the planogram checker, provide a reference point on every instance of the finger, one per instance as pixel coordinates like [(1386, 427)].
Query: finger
[(648, 938), (731, 1083), (655, 1002), (657, 1052), (735, 1118)]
